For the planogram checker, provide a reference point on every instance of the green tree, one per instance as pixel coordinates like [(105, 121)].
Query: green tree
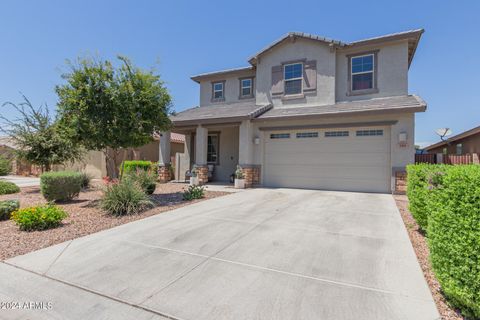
[(37, 136), (109, 108)]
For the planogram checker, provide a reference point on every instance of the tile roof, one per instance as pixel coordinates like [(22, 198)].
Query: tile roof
[(222, 113), (177, 137), (236, 112), (220, 72), (408, 103)]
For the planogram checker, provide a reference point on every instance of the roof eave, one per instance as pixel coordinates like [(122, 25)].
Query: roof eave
[(367, 112)]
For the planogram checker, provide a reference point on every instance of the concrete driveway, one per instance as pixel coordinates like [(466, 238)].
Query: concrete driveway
[(259, 254)]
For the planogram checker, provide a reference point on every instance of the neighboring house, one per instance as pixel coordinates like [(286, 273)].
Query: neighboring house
[(94, 162), (467, 142), (309, 112)]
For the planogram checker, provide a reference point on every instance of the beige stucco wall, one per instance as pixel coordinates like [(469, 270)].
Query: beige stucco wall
[(392, 71), (290, 51), (232, 87), (92, 164)]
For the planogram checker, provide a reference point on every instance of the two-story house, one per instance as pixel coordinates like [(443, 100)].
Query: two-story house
[(308, 112)]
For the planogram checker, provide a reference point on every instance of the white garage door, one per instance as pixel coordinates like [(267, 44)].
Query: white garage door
[(353, 159)]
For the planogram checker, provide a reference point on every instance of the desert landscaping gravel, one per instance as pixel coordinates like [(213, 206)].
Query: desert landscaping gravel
[(419, 243), (84, 217)]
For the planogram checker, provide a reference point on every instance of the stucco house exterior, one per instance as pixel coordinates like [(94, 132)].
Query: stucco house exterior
[(308, 112)]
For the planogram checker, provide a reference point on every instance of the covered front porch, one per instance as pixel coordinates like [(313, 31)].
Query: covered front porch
[(217, 140), (214, 151)]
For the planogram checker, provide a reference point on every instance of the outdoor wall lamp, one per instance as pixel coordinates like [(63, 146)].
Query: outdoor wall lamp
[(402, 139), (256, 140)]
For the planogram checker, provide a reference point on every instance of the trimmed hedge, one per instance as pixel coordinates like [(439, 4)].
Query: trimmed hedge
[(454, 236), (134, 165), (419, 189), (61, 185), (445, 201), (7, 207), (7, 187)]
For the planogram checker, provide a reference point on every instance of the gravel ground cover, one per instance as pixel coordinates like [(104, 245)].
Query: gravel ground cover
[(84, 217), (419, 243)]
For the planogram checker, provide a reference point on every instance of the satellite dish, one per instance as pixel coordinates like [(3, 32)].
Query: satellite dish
[(443, 132)]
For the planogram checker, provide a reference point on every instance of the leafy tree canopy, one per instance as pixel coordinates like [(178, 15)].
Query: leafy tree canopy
[(107, 107), (37, 137)]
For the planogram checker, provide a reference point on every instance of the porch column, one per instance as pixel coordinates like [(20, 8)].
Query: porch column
[(164, 167), (201, 142), (251, 172)]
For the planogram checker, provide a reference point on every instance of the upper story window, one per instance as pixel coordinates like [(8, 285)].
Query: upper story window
[(246, 88), (362, 72), (218, 91), (293, 77)]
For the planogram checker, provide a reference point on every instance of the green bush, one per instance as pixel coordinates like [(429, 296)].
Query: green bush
[(454, 236), (39, 218), (419, 188), (61, 185), (86, 178), (7, 207), (147, 180), (135, 165), (7, 187), (5, 166), (124, 197), (194, 192)]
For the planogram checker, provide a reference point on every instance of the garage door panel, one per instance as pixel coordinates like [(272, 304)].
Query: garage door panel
[(333, 163), (321, 159), (294, 146), (330, 184), (344, 172)]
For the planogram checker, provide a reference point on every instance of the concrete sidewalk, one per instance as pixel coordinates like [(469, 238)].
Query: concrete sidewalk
[(258, 254), (22, 181)]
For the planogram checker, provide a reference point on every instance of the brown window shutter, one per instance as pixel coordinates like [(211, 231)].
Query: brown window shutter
[(310, 76), (277, 80)]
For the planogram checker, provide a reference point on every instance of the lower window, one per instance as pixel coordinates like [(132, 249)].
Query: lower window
[(212, 148)]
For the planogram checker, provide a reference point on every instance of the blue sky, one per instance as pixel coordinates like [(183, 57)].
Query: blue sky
[(183, 38)]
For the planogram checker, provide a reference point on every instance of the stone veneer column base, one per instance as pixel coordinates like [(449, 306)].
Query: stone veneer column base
[(400, 182), (164, 173), (251, 174), (202, 174)]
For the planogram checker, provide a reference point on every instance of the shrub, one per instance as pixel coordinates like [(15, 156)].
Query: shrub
[(135, 165), (147, 180), (86, 178), (125, 197), (419, 186), (454, 236), (61, 185), (7, 207), (194, 192), (39, 218), (5, 166), (7, 187)]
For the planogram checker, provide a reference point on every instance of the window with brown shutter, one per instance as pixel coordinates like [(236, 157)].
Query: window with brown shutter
[(277, 80), (310, 76)]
